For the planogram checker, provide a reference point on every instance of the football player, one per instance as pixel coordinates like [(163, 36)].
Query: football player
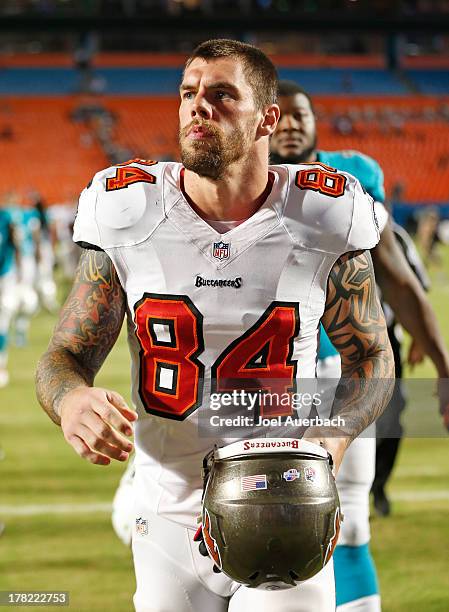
[(295, 141), (28, 223), (389, 423), (61, 218), (45, 284), (10, 262), (224, 268)]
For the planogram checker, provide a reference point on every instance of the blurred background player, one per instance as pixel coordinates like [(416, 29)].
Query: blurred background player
[(295, 141), (62, 217), (45, 283), (10, 263), (27, 219), (388, 427)]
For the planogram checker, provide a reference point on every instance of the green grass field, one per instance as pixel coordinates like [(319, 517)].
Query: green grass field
[(52, 543)]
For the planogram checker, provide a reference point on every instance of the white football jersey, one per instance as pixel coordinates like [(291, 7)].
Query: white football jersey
[(208, 308)]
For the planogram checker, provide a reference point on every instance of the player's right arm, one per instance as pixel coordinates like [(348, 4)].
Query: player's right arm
[(404, 293), (402, 290), (93, 420)]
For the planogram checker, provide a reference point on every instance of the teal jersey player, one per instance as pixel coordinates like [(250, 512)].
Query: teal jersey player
[(8, 256), (29, 223), (7, 251), (363, 167), (370, 174), (295, 141)]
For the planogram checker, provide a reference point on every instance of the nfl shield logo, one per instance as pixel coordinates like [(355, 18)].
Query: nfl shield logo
[(221, 250), (141, 526)]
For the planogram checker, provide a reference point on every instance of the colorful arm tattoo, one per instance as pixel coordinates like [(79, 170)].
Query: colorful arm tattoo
[(88, 327)]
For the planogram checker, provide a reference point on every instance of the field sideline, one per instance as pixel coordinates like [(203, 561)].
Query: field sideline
[(55, 506)]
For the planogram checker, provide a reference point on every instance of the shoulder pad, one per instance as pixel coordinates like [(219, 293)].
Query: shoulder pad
[(329, 211), (121, 206), (364, 231)]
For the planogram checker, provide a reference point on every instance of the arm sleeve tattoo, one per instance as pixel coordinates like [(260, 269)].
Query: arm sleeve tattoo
[(88, 327), (355, 324)]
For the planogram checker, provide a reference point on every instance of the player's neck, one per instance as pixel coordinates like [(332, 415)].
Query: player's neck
[(237, 196), (313, 157)]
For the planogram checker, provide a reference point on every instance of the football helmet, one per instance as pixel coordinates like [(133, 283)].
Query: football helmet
[(271, 513)]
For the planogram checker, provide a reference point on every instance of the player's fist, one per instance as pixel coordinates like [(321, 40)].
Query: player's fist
[(95, 422), (332, 439), (415, 354)]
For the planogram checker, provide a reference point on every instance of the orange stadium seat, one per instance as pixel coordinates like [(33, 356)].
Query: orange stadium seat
[(147, 126), (414, 159), (50, 153), (45, 150), (415, 156)]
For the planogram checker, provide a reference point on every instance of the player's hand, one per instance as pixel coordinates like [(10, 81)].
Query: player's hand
[(332, 439), (415, 354), (443, 396), (96, 422)]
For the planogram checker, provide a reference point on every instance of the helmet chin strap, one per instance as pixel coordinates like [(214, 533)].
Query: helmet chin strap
[(329, 456)]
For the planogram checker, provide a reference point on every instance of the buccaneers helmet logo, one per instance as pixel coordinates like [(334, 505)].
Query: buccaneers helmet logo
[(333, 541), (210, 541)]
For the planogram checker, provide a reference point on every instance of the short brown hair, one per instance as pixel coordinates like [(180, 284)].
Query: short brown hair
[(291, 88), (259, 70)]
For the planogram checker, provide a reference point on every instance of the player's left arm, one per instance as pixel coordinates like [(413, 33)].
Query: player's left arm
[(402, 290), (354, 322)]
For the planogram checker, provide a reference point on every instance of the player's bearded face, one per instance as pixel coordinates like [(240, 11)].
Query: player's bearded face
[(208, 151)]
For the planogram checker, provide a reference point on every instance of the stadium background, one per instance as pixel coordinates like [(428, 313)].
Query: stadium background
[(87, 84)]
